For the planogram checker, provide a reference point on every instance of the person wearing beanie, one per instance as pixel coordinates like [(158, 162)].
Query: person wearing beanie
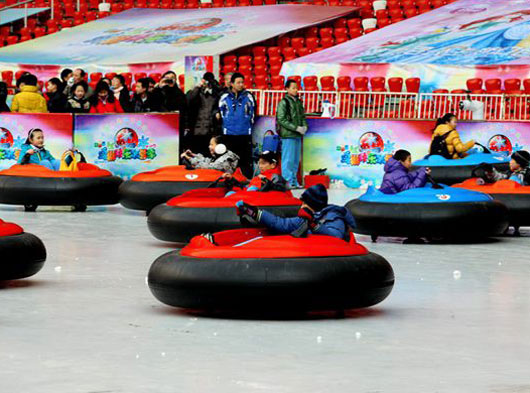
[(316, 216), (518, 170)]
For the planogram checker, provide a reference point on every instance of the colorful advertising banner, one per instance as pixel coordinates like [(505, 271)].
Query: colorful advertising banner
[(129, 143), (196, 66), (355, 151), (14, 129), (162, 36), (444, 47)]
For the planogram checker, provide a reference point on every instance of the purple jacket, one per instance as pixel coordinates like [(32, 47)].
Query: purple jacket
[(398, 178)]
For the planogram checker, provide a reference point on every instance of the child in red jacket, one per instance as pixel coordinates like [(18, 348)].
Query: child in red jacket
[(104, 102)]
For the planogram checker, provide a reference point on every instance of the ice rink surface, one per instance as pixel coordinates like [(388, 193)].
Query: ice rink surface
[(457, 321)]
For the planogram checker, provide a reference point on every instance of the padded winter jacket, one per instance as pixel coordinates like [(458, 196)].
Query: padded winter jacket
[(331, 221), (290, 114), (226, 163), (397, 178), (238, 112), (454, 145), (37, 157), (29, 100)]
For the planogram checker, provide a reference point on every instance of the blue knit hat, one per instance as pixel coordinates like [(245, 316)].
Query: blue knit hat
[(316, 197), (522, 157)]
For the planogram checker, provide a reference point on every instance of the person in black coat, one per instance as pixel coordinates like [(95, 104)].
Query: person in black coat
[(144, 101), (55, 98), (3, 97)]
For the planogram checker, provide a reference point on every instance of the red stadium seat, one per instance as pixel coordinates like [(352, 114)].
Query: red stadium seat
[(110, 75), (274, 51), (275, 61), (437, 3), (277, 81), (297, 79), (366, 31), (395, 85), (96, 76), (327, 42), (340, 40), (383, 22), (382, 14), (327, 83), (24, 38), (325, 32), (354, 23), (244, 69), (275, 70), (52, 30), (312, 43), (297, 42), (311, 32), (341, 22), (229, 59), (393, 4), (284, 41), (526, 84), (67, 23), (7, 77), (244, 60), (408, 3), (12, 39), (474, 84), (260, 60), (288, 52), (512, 84), (413, 85), (229, 68), (396, 13), (493, 84), (411, 12), (156, 76), (310, 81), (360, 83), (356, 32), (344, 83), (377, 82), (259, 51), (39, 32), (260, 69), (341, 32), (303, 51), (262, 81)]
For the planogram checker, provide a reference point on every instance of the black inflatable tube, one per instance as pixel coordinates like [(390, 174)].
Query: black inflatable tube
[(145, 195), (300, 284), (180, 224), (456, 173), (518, 208), (20, 256), (59, 191), (438, 220)]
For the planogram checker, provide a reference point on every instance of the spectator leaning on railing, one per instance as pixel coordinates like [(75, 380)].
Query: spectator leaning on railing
[(292, 125)]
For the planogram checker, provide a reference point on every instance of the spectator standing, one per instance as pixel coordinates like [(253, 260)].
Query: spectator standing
[(3, 97), (54, 96), (143, 100), (202, 106), (121, 92), (227, 83), (78, 76), (66, 75), (78, 103), (292, 125), (103, 100), (29, 100), (237, 108)]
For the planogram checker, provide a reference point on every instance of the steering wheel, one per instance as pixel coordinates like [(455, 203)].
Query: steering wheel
[(187, 164), (226, 183), (435, 185)]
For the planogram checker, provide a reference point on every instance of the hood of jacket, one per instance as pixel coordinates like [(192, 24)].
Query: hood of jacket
[(332, 212), (393, 165), (29, 89)]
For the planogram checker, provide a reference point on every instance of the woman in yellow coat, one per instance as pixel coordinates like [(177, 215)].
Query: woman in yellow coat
[(446, 125)]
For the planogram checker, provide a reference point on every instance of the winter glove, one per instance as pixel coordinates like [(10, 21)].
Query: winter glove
[(303, 230), (301, 129), (247, 213), (209, 237)]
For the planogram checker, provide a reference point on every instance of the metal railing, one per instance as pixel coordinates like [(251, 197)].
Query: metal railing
[(391, 105), (17, 5)]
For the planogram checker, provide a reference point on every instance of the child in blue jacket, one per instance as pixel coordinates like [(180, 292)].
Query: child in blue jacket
[(33, 151), (315, 216)]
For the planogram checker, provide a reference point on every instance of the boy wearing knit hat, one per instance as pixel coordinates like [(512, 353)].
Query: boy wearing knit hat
[(518, 170), (316, 216)]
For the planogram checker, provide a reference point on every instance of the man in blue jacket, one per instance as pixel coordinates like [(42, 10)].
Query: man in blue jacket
[(315, 216), (237, 108)]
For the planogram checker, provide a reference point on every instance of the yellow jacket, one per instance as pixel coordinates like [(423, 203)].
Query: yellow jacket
[(454, 145), (29, 100)]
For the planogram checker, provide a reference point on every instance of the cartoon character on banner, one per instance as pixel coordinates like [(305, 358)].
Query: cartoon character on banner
[(371, 141), (127, 137), (6, 138)]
